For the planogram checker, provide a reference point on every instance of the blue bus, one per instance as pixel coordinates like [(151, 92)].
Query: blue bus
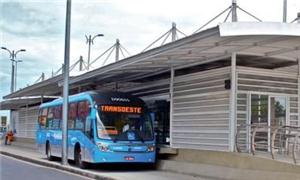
[(108, 127)]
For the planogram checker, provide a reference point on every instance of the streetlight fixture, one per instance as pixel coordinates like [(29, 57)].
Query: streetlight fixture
[(13, 56), (89, 41)]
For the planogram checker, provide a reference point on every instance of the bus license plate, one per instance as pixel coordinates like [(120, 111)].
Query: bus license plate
[(129, 158)]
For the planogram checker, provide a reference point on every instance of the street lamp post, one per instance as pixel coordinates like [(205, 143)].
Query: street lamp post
[(90, 41), (16, 71), (64, 152), (13, 56)]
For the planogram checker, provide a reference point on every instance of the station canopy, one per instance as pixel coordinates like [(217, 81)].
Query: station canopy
[(257, 44)]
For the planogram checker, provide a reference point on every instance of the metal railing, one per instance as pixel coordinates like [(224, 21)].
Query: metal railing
[(278, 141)]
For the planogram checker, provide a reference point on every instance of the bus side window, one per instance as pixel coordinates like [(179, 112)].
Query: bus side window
[(72, 115), (50, 117), (83, 113), (56, 124), (42, 119), (84, 117), (87, 129)]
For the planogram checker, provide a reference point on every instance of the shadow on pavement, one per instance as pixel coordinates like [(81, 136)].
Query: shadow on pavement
[(114, 167)]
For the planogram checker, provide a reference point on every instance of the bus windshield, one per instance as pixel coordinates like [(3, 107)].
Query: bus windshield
[(132, 125)]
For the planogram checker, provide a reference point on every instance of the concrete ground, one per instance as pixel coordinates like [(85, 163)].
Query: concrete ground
[(96, 172), (171, 169), (14, 169)]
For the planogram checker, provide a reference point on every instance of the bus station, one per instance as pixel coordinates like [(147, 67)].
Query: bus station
[(232, 88)]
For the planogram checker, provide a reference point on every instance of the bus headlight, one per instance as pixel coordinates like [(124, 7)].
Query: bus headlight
[(151, 148), (102, 147)]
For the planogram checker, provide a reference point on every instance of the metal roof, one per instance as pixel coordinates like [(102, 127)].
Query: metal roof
[(17, 103), (46, 87), (272, 44), (265, 45)]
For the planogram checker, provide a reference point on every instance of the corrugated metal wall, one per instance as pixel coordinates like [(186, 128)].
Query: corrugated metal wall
[(25, 126), (294, 121), (201, 111)]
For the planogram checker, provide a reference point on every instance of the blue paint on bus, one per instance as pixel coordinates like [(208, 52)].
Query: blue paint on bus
[(108, 127)]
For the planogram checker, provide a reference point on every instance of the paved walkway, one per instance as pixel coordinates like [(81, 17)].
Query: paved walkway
[(29, 154), (170, 169)]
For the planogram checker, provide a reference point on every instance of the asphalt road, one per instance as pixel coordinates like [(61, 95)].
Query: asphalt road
[(12, 169)]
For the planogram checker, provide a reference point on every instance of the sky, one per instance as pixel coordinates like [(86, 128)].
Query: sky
[(38, 26)]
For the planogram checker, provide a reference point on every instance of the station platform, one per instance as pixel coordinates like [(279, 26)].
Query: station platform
[(186, 164)]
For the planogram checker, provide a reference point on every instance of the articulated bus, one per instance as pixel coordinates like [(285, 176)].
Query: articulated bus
[(106, 127)]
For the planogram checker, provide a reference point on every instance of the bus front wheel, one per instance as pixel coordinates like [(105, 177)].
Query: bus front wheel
[(78, 158), (48, 152)]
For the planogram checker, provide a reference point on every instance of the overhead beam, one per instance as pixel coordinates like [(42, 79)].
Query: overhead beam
[(282, 51), (148, 54)]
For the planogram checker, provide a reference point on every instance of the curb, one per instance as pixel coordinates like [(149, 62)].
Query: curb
[(60, 167)]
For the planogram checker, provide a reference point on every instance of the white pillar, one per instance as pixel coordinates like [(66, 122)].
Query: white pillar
[(172, 74), (284, 11), (234, 13), (171, 102), (174, 30), (298, 78), (117, 49), (233, 102)]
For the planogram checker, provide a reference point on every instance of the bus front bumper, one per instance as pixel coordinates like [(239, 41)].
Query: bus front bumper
[(123, 157)]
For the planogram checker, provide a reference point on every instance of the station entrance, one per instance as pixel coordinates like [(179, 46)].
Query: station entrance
[(268, 111), (160, 111)]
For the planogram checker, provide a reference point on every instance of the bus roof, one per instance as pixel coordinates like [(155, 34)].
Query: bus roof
[(100, 98)]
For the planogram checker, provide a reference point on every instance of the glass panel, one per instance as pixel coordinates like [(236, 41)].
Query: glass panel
[(50, 117), (72, 115), (278, 111), (161, 116), (259, 109), (259, 116), (56, 123), (264, 108), (124, 123), (42, 119), (83, 113)]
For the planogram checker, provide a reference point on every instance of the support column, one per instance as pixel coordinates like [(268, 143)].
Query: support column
[(234, 13), (233, 102), (42, 99), (284, 11), (298, 78), (117, 49), (26, 121), (171, 102), (298, 17), (117, 58), (174, 30), (11, 125), (80, 63), (43, 77)]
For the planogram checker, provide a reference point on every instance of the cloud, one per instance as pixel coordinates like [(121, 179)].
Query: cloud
[(28, 19), (38, 26)]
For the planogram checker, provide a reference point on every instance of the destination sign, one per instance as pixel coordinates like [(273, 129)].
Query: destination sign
[(121, 109)]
